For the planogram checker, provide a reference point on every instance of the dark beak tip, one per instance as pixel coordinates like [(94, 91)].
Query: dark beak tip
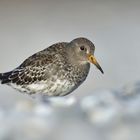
[(101, 70)]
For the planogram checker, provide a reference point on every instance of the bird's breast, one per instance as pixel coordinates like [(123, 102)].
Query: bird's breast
[(50, 88)]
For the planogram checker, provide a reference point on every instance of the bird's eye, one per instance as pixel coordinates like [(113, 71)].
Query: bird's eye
[(82, 48)]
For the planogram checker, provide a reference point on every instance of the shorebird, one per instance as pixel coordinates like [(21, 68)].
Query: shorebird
[(55, 71)]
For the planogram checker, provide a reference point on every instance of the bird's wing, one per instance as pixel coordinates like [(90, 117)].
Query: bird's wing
[(34, 68), (24, 76)]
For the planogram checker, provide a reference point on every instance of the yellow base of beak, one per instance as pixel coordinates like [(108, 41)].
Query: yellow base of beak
[(93, 60)]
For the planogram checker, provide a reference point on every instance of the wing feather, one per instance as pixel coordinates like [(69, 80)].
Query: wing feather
[(35, 68)]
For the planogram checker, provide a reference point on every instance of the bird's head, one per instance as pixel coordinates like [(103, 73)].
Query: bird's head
[(83, 51)]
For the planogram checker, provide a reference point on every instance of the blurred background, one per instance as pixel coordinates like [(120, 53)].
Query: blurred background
[(114, 26)]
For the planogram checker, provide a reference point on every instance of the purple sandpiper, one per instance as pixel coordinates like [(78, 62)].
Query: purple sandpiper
[(54, 71)]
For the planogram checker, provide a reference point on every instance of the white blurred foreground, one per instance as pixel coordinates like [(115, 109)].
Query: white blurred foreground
[(104, 115)]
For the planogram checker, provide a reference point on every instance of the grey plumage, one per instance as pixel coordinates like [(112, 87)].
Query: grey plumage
[(54, 71)]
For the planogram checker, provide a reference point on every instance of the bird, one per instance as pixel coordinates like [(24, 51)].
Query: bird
[(55, 71)]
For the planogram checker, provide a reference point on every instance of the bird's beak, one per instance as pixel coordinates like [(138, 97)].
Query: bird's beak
[(93, 60)]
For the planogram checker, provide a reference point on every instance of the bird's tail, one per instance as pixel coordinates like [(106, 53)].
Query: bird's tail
[(4, 77)]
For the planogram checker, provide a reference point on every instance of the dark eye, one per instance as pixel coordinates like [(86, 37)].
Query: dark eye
[(82, 48)]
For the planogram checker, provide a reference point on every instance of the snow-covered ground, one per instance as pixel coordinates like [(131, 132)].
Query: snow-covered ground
[(103, 115)]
